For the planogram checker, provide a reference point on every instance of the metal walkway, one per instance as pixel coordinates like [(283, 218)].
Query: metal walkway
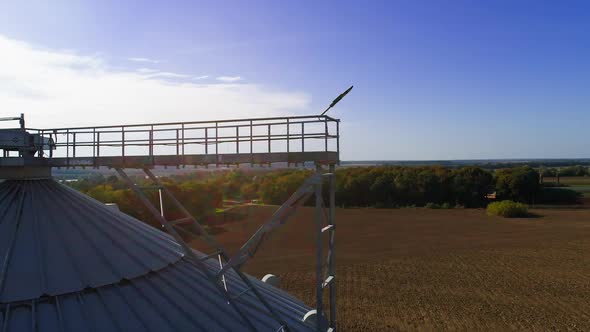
[(290, 140)]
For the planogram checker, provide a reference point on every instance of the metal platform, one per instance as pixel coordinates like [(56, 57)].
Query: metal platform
[(290, 140)]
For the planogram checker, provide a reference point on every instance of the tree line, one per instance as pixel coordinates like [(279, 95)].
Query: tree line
[(378, 186), (397, 186), (577, 170)]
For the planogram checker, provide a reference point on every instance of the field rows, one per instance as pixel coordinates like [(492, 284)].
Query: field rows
[(490, 290), (419, 269)]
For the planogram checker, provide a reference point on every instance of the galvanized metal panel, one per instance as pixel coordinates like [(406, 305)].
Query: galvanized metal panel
[(173, 299), (54, 240)]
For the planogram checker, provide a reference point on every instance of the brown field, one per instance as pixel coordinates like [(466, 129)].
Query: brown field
[(419, 269)]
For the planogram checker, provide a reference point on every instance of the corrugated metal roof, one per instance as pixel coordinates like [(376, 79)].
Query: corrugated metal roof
[(54, 240), (173, 299), (68, 263)]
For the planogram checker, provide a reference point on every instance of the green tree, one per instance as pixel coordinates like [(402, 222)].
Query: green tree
[(471, 185), (518, 184)]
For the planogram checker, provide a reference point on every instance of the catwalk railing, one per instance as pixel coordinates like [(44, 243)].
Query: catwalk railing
[(296, 139)]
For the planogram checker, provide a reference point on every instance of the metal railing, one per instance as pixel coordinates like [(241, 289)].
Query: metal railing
[(236, 136)]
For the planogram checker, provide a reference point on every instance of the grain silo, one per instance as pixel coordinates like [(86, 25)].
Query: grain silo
[(71, 263)]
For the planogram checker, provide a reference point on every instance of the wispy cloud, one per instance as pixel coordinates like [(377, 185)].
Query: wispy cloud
[(148, 60), (155, 73), (167, 74), (229, 78), (56, 88), (147, 70)]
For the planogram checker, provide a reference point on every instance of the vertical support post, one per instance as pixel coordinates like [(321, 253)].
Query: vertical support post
[(269, 143), (338, 140), (151, 144), (326, 134), (251, 145), (98, 144), (123, 144), (51, 137), (302, 136), (178, 161), (237, 139), (206, 140), (216, 144), (269, 138), (288, 143), (94, 146), (67, 147), (41, 150), (319, 247), (74, 145), (183, 159), (331, 262), (177, 143)]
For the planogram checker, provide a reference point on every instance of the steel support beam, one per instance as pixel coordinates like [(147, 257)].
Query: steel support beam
[(319, 248), (324, 224), (331, 249), (210, 241), (280, 217), (189, 253)]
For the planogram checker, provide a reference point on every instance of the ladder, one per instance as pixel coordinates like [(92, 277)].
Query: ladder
[(324, 224)]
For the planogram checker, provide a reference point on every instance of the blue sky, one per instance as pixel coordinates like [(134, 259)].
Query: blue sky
[(433, 79)]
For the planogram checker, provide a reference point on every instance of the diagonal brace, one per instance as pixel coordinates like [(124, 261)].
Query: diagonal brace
[(279, 218)]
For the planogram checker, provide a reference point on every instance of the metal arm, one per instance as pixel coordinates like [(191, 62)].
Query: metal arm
[(20, 119)]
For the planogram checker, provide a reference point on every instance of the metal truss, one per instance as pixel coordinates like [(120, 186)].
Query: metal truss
[(171, 228), (324, 225)]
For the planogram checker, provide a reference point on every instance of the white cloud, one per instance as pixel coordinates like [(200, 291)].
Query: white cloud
[(166, 74), (151, 73), (148, 60), (55, 88), (229, 78), (147, 70)]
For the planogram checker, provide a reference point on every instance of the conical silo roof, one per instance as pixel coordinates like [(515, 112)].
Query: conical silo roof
[(69, 263)]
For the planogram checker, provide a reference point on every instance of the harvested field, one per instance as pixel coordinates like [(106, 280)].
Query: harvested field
[(420, 269)]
